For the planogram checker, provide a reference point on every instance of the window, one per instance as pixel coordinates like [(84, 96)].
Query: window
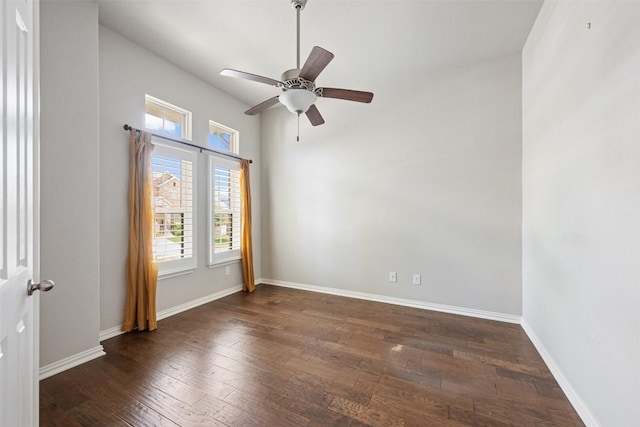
[(222, 138), (224, 210), (174, 240), (160, 116)]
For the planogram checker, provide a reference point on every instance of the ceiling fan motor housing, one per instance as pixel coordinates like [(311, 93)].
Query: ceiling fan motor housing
[(290, 74), (291, 80)]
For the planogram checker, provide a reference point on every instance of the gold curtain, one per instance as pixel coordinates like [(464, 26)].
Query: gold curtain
[(142, 271), (246, 248)]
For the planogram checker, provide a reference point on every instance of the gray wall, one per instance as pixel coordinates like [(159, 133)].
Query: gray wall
[(127, 72), (70, 198), (426, 179), (92, 82), (581, 201)]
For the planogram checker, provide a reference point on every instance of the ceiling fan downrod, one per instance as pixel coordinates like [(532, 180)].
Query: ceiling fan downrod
[(298, 5)]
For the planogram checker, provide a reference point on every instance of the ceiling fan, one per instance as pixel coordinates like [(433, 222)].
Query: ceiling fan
[(299, 91)]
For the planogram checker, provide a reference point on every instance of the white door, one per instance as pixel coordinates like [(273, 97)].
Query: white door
[(18, 213)]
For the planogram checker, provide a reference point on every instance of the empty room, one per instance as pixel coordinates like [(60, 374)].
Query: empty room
[(320, 212)]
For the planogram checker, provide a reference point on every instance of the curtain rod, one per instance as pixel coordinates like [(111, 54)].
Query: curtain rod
[(222, 153)]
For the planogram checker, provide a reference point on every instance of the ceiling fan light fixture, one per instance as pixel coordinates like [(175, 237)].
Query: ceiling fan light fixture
[(297, 100)]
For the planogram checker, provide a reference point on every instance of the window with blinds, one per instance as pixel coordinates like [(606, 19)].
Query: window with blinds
[(173, 208), (224, 212)]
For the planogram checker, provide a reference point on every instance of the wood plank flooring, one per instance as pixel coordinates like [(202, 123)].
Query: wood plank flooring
[(284, 357)]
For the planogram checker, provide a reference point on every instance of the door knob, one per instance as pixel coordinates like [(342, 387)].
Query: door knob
[(44, 286)]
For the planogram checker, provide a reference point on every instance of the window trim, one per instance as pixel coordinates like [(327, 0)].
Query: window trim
[(177, 267), (224, 263), (218, 260)]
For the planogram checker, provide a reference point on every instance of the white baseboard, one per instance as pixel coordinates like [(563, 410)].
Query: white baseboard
[(71, 362), (198, 302), (580, 406), (110, 333), (115, 331), (490, 315)]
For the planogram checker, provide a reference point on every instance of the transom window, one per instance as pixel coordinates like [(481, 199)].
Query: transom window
[(160, 116), (222, 138)]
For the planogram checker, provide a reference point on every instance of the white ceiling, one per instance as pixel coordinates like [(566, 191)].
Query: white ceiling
[(374, 41)]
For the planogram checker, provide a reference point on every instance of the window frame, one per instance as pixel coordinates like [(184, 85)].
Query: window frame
[(184, 265), (221, 258), (186, 125)]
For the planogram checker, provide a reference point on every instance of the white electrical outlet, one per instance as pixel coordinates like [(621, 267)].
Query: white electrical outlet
[(416, 279), (227, 270), (393, 277)]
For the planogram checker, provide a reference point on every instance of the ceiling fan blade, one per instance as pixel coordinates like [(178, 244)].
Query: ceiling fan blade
[(348, 94), (316, 62), (314, 116), (248, 76), (262, 106)]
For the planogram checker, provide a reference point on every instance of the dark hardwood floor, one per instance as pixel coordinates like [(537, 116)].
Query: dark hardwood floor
[(283, 357)]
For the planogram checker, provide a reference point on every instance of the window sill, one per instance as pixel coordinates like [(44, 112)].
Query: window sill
[(175, 273), (224, 263)]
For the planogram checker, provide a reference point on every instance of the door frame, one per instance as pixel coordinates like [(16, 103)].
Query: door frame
[(36, 210)]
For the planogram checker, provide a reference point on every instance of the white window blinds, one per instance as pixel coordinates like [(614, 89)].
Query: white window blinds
[(224, 218), (173, 203)]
